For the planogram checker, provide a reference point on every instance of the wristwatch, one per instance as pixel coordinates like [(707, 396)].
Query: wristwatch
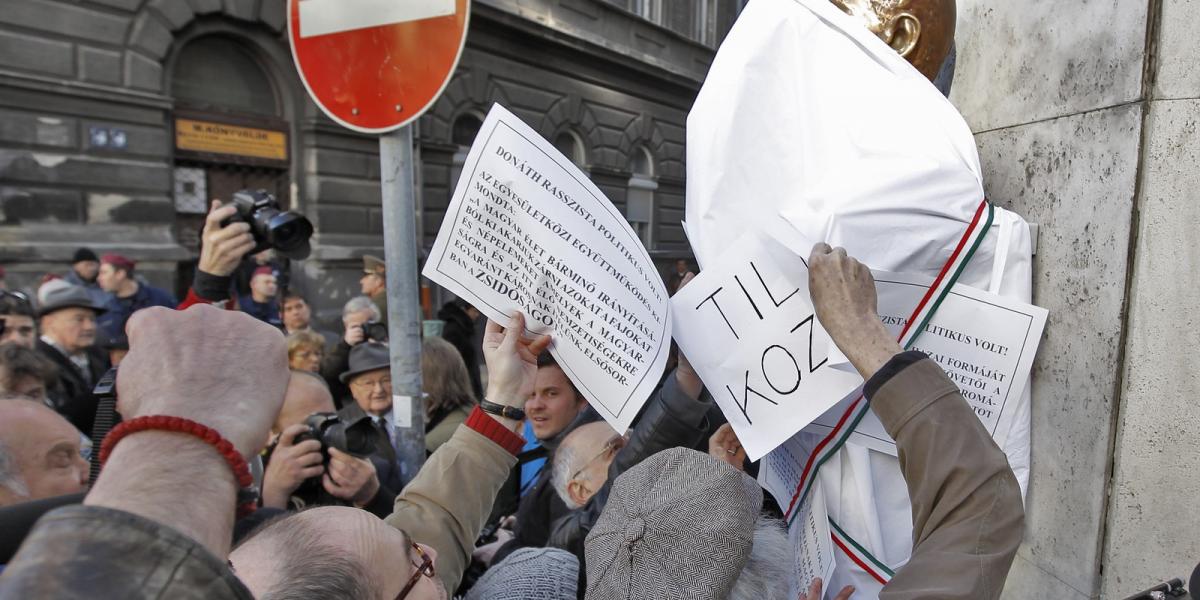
[(501, 410)]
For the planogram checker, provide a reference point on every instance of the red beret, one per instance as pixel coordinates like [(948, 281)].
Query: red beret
[(263, 270), (118, 261)]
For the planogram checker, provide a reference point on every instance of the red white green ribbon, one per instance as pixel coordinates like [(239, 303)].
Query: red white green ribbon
[(832, 442)]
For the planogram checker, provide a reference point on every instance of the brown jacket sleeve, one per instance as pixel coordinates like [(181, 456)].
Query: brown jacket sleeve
[(966, 505), (446, 504)]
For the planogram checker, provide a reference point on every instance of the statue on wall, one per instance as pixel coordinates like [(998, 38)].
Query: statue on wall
[(922, 31)]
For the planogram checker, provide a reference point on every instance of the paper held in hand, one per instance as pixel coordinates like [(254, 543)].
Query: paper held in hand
[(748, 327), (527, 231)]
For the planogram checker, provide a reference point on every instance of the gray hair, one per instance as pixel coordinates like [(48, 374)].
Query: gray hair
[(564, 467), (309, 568), (768, 570), (360, 303), (10, 477)]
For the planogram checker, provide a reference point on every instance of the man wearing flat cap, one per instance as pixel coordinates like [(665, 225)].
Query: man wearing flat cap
[(370, 381), (374, 283), (129, 295), (68, 322)]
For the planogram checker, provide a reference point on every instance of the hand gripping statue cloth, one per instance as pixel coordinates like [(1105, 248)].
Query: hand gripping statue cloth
[(808, 117)]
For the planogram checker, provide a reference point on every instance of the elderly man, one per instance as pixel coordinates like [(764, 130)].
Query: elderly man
[(68, 322), (16, 320), (39, 453), (581, 462), (356, 313), (370, 381), (128, 294), (296, 474), (261, 303)]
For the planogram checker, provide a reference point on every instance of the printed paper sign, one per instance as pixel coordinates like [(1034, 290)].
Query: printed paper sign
[(748, 327), (527, 231), (808, 523), (986, 344)]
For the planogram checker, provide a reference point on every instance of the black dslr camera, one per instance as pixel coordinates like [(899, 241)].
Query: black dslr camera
[(357, 438), (285, 231), (375, 331)]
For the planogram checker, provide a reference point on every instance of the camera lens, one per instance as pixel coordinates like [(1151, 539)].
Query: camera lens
[(289, 233)]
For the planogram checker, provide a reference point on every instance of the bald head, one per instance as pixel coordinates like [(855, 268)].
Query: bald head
[(39, 453), (306, 394), (324, 552), (581, 462)]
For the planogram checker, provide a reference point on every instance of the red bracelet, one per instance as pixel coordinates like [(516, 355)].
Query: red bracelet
[(247, 496)]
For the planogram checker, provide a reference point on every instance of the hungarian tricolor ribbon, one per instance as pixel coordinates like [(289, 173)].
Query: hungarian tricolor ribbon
[(835, 439)]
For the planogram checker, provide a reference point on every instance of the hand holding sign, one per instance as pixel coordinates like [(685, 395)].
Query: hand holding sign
[(843, 294)]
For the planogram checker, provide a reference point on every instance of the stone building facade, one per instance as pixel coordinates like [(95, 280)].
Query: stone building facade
[(118, 118)]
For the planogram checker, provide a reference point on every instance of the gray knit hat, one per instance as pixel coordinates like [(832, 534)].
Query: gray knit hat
[(530, 574), (678, 525)]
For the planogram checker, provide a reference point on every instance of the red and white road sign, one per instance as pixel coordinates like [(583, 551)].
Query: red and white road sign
[(375, 65)]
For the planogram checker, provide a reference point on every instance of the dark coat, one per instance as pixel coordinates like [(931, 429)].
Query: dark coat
[(387, 465), (336, 362), (71, 392), (460, 332), (118, 310)]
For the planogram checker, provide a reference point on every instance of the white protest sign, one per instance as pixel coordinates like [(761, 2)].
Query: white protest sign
[(748, 327), (527, 231), (984, 342)]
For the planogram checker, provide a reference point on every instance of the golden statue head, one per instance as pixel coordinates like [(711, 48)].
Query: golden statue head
[(922, 31)]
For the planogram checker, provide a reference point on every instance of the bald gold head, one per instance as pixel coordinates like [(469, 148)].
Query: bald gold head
[(922, 31)]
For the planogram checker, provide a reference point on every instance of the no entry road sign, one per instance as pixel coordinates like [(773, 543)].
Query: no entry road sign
[(375, 65)]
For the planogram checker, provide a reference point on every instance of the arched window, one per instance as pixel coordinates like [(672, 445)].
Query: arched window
[(218, 73), (639, 199), (572, 147)]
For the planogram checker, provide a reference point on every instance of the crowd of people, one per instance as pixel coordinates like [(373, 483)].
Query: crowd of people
[(253, 455)]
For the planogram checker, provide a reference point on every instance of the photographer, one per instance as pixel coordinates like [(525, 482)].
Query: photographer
[(300, 474), (361, 320)]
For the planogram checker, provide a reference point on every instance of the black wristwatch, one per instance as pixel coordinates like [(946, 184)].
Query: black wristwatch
[(501, 410)]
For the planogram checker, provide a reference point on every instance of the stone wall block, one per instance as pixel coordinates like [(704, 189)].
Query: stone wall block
[(176, 13), (274, 14), (99, 66), (204, 7), (1178, 46), (1019, 62), (126, 209), (60, 18), (1075, 177), (125, 5), (1152, 519), (242, 9), (143, 72), (62, 169), (151, 36), (342, 219), (39, 55), (349, 191)]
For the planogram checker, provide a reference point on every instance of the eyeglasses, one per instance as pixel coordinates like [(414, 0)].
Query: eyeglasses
[(610, 448), (361, 384), (424, 568)]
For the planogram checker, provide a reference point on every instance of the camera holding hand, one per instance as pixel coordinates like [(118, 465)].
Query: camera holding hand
[(374, 331), (287, 232), (356, 438)]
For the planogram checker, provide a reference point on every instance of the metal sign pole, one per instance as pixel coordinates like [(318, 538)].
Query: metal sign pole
[(404, 302)]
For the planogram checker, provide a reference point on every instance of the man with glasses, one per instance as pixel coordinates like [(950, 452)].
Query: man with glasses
[(16, 319), (370, 383)]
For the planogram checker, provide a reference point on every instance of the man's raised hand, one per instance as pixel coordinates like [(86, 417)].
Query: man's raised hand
[(843, 294), (223, 246), (511, 361)]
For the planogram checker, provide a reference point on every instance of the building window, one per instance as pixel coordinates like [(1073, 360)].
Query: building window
[(571, 147), (639, 199), (218, 73), (462, 133)]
